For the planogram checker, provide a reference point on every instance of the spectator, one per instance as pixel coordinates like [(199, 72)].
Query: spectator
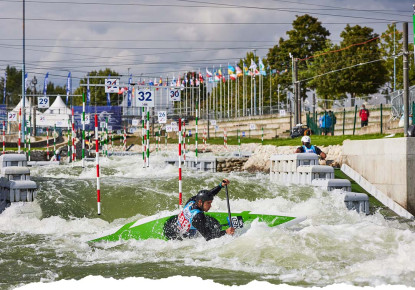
[(325, 123), (333, 122), (364, 116)]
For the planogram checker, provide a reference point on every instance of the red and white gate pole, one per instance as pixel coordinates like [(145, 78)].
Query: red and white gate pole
[(180, 163), (97, 164), (47, 143)]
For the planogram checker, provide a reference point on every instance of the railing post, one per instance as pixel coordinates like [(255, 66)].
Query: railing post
[(381, 119), (354, 123), (344, 119)]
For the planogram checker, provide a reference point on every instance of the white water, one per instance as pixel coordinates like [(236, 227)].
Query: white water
[(332, 246)]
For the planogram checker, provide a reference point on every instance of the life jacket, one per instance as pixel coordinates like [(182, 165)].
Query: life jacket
[(312, 149), (364, 114), (185, 218)]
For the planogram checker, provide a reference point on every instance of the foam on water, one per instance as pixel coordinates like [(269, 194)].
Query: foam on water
[(333, 245)]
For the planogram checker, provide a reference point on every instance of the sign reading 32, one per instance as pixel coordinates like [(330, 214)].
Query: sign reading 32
[(145, 98)]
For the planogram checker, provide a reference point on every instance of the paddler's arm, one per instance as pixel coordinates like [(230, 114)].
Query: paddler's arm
[(199, 222), (214, 191)]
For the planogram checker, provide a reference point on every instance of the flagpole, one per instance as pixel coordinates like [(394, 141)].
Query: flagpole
[(24, 71)]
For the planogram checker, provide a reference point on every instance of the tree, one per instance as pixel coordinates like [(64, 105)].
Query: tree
[(306, 38), (98, 95), (367, 72)]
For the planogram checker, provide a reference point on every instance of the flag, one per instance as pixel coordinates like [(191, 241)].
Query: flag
[(208, 74), (217, 77), (150, 83), (253, 65), (4, 88), (201, 78), (232, 76), (220, 72), (231, 70), (246, 69), (161, 81), (274, 71), (223, 79), (129, 94), (173, 81), (45, 83), (238, 71), (68, 87), (262, 68), (256, 72), (88, 92), (25, 82)]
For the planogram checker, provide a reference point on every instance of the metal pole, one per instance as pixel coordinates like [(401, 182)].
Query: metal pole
[(381, 119), (405, 78), (354, 123), (344, 119), (24, 72)]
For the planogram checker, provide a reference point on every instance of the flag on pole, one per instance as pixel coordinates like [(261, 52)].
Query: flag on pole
[(238, 71), (246, 70), (232, 76), (201, 78), (88, 92), (231, 70), (173, 81), (217, 77), (25, 82), (208, 74), (68, 87), (262, 68), (253, 65), (45, 84), (220, 72), (130, 80)]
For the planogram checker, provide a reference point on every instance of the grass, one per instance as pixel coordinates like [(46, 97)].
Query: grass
[(316, 140)]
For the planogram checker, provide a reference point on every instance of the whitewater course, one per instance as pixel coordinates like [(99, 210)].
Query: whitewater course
[(47, 240)]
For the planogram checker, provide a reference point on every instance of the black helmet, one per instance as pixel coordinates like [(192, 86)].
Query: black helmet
[(204, 195)]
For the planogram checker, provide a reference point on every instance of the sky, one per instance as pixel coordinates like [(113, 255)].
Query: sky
[(149, 39)]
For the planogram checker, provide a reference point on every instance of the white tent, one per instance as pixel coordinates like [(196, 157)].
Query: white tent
[(20, 105), (57, 114)]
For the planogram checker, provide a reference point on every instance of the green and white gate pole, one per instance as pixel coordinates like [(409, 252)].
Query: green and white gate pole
[(83, 129), (148, 136), (196, 135), (28, 135), (142, 137), (54, 140), (106, 137), (354, 123), (239, 143), (262, 137)]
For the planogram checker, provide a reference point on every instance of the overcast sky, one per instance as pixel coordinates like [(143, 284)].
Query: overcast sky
[(159, 38)]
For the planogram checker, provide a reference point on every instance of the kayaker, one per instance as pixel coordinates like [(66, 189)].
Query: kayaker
[(192, 220), (308, 148)]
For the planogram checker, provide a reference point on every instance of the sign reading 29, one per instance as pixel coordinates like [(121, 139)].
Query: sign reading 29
[(145, 98)]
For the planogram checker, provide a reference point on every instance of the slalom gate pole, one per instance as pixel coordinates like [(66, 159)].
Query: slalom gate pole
[(262, 137), (28, 135), (106, 137), (184, 142), (239, 143), (69, 143), (54, 140), (143, 146), (47, 143), (20, 130), (125, 139), (196, 135), (97, 164), (180, 163), (148, 136), (4, 137), (204, 140), (73, 136), (83, 129)]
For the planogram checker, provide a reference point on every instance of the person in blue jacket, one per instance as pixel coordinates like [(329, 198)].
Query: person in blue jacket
[(191, 221), (308, 148)]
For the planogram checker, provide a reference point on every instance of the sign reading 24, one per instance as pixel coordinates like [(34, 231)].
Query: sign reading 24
[(145, 98)]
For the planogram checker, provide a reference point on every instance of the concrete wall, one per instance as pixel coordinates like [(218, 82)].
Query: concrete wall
[(389, 164)]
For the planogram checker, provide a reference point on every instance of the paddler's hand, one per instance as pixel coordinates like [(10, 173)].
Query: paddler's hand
[(225, 182), (230, 231)]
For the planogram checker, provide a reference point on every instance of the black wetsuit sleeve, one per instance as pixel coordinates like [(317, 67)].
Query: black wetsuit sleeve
[(207, 230), (318, 150), (301, 149), (214, 191)]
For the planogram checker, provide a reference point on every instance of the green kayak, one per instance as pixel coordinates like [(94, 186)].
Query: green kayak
[(152, 227)]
